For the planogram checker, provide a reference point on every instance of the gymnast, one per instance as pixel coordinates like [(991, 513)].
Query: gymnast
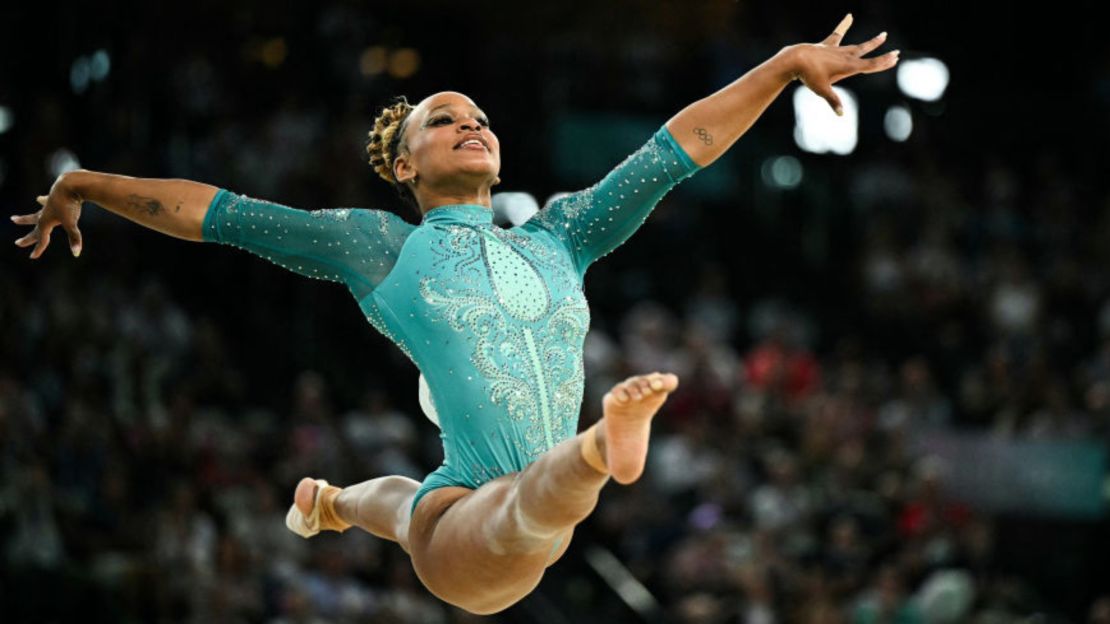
[(493, 318)]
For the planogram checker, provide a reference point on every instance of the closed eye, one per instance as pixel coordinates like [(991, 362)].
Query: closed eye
[(442, 119)]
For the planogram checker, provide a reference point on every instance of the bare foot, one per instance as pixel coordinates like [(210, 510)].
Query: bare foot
[(629, 407)]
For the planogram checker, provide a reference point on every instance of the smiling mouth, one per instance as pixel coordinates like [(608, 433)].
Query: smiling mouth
[(472, 144)]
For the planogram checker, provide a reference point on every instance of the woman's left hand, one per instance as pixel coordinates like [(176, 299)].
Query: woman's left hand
[(821, 65)]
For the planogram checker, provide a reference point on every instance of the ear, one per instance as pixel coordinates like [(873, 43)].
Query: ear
[(496, 181), (403, 170)]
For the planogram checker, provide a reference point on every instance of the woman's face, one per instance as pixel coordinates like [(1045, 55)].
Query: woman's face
[(446, 141)]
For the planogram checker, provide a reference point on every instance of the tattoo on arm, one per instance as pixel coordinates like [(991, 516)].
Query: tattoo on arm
[(149, 205), (704, 135)]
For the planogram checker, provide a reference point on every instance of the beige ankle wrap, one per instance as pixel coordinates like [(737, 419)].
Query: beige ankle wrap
[(590, 452), (329, 520)]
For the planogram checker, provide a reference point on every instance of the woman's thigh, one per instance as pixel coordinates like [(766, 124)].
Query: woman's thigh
[(452, 534)]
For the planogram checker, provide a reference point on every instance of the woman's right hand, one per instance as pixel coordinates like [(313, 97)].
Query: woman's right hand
[(821, 65), (61, 207)]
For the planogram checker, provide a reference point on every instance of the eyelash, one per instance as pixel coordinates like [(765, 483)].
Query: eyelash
[(435, 122)]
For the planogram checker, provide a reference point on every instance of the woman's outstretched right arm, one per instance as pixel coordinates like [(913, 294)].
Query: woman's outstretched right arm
[(174, 207), (354, 246)]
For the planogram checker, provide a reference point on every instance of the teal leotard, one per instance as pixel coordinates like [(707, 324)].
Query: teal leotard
[(494, 318)]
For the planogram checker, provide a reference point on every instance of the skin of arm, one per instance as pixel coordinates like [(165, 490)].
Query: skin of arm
[(708, 127), (174, 207)]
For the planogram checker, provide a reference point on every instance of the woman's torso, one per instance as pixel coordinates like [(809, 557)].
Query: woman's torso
[(495, 319)]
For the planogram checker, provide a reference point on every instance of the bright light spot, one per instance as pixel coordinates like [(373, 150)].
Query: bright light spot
[(372, 61), (5, 119), (100, 65), (404, 62), (898, 123), (783, 172), (513, 207), (554, 196), (274, 52), (923, 79), (818, 129), (62, 161), (79, 75)]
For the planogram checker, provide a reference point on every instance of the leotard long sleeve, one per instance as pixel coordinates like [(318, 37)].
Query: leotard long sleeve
[(494, 318)]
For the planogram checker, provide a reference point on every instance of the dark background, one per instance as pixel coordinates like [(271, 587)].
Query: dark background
[(159, 399)]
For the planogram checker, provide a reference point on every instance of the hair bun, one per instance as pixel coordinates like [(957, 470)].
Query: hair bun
[(385, 137)]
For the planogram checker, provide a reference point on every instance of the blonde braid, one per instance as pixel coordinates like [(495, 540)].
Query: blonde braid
[(386, 137)]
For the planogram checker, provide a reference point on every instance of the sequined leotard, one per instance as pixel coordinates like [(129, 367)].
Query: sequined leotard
[(494, 318)]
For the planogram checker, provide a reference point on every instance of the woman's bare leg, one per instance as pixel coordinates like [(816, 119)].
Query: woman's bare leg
[(490, 546), (379, 506), (561, 488)]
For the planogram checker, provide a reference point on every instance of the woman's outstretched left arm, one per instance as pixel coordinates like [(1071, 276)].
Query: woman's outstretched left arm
[(594, 221), (709, 126)]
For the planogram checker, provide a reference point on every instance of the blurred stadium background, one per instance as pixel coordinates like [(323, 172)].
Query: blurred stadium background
[(894, 340)]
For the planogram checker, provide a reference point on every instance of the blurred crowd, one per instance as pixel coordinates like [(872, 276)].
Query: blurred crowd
[(140, 472), (159, 400)]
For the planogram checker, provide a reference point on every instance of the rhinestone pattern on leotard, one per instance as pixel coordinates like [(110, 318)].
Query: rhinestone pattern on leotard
[(495, 319), (352, 246)]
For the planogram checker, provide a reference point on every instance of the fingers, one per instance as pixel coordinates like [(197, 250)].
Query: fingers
[(74, 240), (866, 47), (880, 63), (825, 90), (839, 31), (40, 235), (29, 238), (43, 243)]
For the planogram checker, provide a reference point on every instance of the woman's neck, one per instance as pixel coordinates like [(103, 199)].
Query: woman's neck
[(428, 199)]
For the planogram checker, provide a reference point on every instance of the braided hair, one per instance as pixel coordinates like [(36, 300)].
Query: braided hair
[(385, 139)]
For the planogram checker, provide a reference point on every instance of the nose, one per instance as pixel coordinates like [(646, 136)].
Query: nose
[(471, 124)]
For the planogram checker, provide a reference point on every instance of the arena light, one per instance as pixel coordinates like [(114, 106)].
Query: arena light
[(79, 74), (61, 161), (898, 123), (513, 207), (818, 129), (404, 62), (923, 79), (783, 172), (99, 65), (372, 61), (5, 119)]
